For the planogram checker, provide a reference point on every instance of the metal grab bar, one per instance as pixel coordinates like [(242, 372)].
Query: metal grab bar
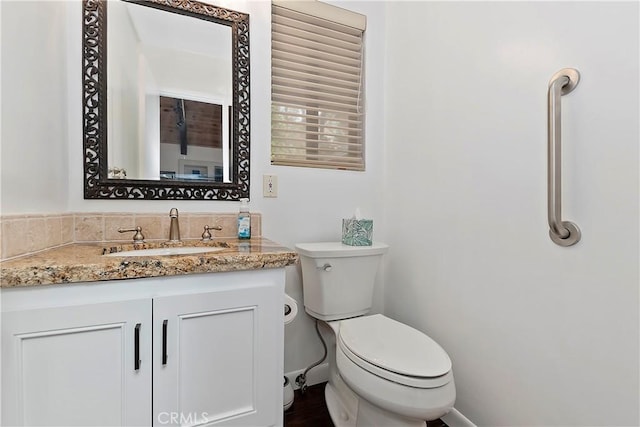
[(563, 233)]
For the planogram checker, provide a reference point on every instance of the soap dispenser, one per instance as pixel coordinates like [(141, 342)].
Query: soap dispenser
[(244, 220)]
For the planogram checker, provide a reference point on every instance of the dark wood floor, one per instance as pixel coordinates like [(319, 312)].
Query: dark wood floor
[(309, 410)]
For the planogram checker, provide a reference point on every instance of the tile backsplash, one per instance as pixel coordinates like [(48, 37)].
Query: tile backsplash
[(30, 233)]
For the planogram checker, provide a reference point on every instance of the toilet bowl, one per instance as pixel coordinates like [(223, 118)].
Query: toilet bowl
[(395, 367), (358, 396), (381, 371)]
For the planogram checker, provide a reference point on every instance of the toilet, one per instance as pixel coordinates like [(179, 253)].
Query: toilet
[(381, 372)]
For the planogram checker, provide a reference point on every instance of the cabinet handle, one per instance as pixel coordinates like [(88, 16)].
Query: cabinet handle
[(164, 341), (136, 347)]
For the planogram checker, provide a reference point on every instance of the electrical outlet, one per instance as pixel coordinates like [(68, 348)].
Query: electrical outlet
[(269, 186)]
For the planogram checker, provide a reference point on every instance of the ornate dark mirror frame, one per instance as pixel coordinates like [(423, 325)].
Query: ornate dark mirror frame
[(97, 185)]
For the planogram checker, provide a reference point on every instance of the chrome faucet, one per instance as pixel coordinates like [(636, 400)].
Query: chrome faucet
[(174, 229)]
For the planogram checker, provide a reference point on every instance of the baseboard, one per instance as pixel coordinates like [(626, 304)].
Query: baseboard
[(456, 419), (317, 375)]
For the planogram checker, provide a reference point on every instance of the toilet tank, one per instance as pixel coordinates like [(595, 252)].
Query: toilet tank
[(337, 279)]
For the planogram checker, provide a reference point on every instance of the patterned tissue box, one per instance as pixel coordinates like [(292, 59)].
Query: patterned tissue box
[(357, 232)]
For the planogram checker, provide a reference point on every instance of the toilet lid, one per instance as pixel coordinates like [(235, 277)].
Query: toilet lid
[(394, 346)]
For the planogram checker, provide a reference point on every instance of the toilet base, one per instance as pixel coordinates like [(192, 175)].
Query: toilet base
[(348, 410), (341, 415)]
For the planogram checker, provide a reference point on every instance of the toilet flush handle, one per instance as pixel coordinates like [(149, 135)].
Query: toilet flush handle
[(325, 267)]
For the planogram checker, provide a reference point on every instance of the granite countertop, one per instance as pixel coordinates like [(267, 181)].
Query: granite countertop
[(86, 263)]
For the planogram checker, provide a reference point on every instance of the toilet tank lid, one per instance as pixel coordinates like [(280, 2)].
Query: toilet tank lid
[(339, 249)]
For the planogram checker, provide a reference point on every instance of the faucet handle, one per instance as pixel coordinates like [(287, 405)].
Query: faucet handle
[(206, 236), (138, 237)]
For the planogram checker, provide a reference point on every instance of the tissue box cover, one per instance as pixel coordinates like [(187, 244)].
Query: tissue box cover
[(357, 232)]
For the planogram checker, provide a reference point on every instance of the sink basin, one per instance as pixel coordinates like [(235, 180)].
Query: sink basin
[(182, 250)]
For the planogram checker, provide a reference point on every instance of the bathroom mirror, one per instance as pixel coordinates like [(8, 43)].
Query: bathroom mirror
[(166, 100)]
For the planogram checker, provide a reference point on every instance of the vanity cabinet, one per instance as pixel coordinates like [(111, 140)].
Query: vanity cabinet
[(204, 349), (234, 328), (74, 365)]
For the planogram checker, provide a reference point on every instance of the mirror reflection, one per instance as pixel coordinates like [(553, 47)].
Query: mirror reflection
[(180, 59), (170, 96)]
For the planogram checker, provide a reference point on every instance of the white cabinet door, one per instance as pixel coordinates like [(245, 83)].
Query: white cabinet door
[(75, 366), (216, 358)]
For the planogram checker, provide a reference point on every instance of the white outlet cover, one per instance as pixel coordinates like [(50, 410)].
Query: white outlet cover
[(269, 186)]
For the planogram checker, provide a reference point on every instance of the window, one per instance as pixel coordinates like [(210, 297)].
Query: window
[(317, 105)]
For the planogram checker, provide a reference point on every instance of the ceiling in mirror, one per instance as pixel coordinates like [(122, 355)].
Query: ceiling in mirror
[(166, 100)]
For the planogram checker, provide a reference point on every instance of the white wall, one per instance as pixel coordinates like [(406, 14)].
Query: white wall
[(149, 133), (123, 115), (189, 74), (34, 133), (538, 334)]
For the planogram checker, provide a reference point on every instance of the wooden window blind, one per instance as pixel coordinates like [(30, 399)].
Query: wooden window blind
[(317, 105)]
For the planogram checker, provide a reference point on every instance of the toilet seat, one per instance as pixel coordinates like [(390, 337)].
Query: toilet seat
[(394, 351)]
